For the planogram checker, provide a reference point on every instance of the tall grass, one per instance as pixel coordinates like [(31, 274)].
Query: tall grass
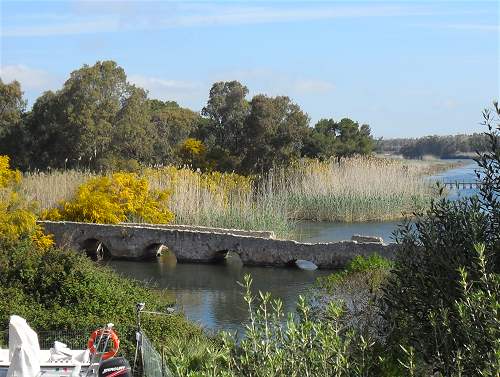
[(50, 188), (221, 200), (357, 189)]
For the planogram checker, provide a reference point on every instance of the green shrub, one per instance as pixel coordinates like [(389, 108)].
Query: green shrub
[(63, 290), (294, 346), (478, 331), (373, 269), (424, 297)]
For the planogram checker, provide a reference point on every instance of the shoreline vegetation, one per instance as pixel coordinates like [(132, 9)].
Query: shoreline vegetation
[(443, 283), (353, 190)]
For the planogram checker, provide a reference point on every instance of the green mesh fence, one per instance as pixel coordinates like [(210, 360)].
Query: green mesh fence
[(152, 361)]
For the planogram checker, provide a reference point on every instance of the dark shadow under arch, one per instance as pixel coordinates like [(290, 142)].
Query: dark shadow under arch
[(95, 249), (158, 249), (227, 257)]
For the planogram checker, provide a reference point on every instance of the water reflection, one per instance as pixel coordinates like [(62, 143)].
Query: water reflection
[(310, 231), (210, 295)]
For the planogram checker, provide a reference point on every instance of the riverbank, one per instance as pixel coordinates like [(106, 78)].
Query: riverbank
[(324, 231), (358, 189)]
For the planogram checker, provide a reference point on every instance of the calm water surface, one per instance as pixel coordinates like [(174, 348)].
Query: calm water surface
[(210, 295)]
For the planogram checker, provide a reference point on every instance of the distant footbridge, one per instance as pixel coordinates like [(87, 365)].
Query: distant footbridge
[(461, 185)]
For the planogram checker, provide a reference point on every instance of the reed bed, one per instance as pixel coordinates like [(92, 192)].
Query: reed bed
[(220, 200), (48, 188), (357, 189)]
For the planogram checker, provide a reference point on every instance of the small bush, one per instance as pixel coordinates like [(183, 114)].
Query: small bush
[(477, 324), (8, 177), (121, 197), (358, 290), (369, 267), (193, 153)]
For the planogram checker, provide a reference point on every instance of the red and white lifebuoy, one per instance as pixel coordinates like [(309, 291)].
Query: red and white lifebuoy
[(105, 333)]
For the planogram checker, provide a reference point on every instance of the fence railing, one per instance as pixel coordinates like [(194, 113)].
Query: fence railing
[(152, 361), (463, 185)]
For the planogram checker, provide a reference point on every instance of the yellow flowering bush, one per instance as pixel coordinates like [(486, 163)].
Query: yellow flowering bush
[(193, 153), (17, 216), (8, 177), (121, 197), (193, 147)]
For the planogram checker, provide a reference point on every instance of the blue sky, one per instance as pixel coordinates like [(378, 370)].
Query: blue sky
[(405, 68)]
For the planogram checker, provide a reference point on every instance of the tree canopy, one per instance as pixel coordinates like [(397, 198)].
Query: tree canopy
[(341, 139), (100, 121)]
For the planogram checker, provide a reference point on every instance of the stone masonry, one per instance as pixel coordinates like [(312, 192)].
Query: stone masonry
[(207, 245)]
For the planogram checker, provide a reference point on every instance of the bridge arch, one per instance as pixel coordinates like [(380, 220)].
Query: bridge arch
[(157, 249), (227, 256), (95, 249)]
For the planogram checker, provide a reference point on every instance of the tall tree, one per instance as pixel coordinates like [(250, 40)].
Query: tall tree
[(92, 97), (132, 131), (173, 125), (12, 114), (50, 142), (273, 134), (97, 115), (339, 139), (226, 109), (12, 106)]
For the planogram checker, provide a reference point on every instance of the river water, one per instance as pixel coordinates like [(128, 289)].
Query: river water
[(210, 294)]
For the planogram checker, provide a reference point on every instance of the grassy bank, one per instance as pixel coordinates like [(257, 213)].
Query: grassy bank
[(357, 189), (60, 290)]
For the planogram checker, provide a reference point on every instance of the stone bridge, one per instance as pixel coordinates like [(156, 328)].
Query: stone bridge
[(198, 244)]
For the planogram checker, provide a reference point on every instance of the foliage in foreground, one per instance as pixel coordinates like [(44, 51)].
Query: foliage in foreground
[(358, 289), (275, 345), (439, 300), (303, 344), (62, 290)]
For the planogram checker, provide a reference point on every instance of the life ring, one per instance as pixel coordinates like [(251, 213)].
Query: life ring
[(105, 332)]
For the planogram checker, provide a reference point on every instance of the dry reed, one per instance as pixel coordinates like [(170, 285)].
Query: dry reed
[(49, 188), (357, 189)]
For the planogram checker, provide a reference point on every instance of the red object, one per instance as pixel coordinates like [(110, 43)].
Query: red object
[(105, 332)]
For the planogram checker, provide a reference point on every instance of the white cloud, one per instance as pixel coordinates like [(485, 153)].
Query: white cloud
[(30, 78), (313, 86), (159, 15), (63, 27), (447, 104), (258, 80), (271, 82), (474, 27), (185, 92)]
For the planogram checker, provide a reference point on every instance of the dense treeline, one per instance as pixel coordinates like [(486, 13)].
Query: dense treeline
[(439, 146), (99, 120)]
